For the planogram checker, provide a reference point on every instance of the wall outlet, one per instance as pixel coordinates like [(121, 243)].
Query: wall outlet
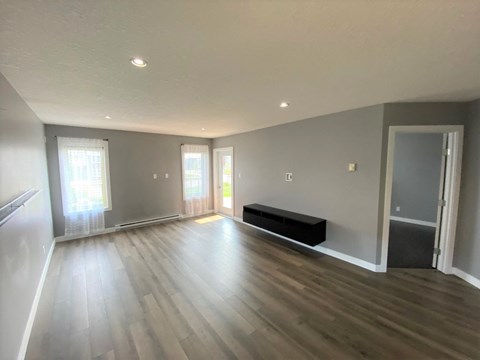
[(154, 176), (166, 176), (397, 208), (289, 177)]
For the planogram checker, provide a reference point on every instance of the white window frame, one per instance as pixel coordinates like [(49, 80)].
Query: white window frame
[(107, 177), (205, 181)]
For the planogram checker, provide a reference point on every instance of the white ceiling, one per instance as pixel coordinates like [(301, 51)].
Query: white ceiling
[(227, 65)]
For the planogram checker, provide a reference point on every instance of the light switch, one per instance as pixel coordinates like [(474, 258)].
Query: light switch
[(154, 176), (352, 167), (288, 177), (397, 208), (166, 176), (239, 175)]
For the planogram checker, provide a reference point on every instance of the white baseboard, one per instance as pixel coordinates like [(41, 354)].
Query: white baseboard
[(413, 221), (75, 237), (324, 250), (33, 310), (348, 258), (467, 277)]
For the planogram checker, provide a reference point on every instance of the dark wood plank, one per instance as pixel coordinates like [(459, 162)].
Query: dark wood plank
[(209, 287)]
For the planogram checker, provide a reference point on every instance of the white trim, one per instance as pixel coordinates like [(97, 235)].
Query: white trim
[(107, 175), (413, 221), (322, 249), (33, 310), (61, 140), (76, 237), (447, 241), (348, 258), (467, 277), (206, 182), (215, 180), (443, 191)]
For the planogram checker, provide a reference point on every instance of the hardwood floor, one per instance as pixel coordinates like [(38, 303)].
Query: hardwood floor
[(211, 288)]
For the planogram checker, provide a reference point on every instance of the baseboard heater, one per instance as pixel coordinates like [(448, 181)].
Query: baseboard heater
[(139, 223)]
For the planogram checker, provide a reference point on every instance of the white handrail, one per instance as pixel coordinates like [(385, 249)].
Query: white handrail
[(8, 210)]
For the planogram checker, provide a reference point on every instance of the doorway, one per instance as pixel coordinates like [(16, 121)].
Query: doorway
[(224, 180), (421, 196), (418, 184)]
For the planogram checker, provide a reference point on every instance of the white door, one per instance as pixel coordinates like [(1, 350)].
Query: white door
[(441, 197), (444, 194), (224, 180)]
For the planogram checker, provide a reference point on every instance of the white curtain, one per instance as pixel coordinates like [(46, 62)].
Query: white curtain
[(83, 182), (196, 179)]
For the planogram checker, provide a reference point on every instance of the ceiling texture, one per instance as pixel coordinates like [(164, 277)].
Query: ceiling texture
[(227, 65)]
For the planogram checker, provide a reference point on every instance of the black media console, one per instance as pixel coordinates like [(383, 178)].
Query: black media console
[(303, 228)]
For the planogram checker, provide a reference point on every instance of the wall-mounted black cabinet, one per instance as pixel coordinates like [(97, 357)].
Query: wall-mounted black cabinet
[(303, 228)]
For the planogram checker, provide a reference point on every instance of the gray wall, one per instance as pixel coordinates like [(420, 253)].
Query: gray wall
[(27, 237), (467, 245), (317, 151), (134, 158), (416, 176), (402, 114)]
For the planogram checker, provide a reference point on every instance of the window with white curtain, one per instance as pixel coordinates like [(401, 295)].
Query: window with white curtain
[(196, 179), (84, 175)]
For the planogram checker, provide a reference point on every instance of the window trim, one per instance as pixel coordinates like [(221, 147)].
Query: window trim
[(107, 174), (205, 182)]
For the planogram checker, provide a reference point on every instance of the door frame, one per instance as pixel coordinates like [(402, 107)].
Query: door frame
[(443, 190), (216, 151), (454, 170)]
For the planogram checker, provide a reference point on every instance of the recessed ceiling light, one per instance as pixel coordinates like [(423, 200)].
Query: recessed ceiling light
[(284, 104), (203, 129), (107, 117), (138, 62)]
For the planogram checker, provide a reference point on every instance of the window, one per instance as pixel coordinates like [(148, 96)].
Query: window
[(193, 175), (84, 174), (196, 182)]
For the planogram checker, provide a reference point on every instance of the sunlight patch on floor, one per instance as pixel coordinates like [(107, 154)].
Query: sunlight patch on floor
[(209, 219)]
